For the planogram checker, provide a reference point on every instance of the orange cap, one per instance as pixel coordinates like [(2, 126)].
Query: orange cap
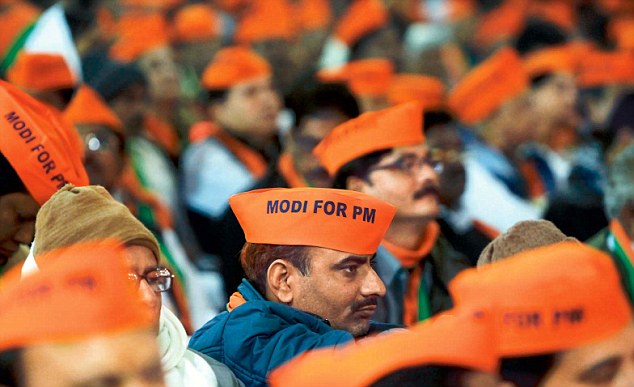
[(313, 14), (43, 150), (493, 82), (400, 125), (15, 18), (500, 24), (72, 298), (604, 68), (40, 72), (548, 299), (196, 22), (334, 219), (87, 107), (621, 30), (413, 87), (559, 12), (233, 65), (361, 18), (364, 77), (139, 33), (266, 19), (565, 58), (461, 339)]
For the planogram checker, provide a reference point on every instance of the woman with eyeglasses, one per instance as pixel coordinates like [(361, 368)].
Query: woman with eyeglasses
[(78, 214)]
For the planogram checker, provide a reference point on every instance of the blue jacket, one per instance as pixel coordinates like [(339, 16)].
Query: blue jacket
[(260, 335)]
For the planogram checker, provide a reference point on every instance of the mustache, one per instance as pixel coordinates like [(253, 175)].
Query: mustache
[(370, 301), (431, 189)]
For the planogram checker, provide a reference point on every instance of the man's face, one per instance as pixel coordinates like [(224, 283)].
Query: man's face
[(340, 287), (141, 260), (311, 131), (129, 106), (251, 108), (162, 74), (606, 363), (17, 222), (406, 179), (446, 146), (555, 100), (124, 359), (103, 155)]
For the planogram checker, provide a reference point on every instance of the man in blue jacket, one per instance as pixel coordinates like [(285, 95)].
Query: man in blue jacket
[(310, 281)]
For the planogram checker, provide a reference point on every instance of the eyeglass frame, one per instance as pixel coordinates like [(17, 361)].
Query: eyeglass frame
[(418, 163), (163, 273)]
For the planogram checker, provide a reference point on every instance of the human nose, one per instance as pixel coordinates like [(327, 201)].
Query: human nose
[(373, 285), (25, 233), (147, 294)]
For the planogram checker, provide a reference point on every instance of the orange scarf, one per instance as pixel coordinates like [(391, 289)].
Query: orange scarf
[(410, 259), (288, 171), (235, 301)]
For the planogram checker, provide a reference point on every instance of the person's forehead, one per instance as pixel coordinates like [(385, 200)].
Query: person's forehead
[(326, 257), (140, 257), (261, 81), (21, 203), (418, 149)]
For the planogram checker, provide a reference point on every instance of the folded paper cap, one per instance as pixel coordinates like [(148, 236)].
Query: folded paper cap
[(42, 149), (16, 18), (72, 299), (429, 91), (196, 22), (503, 23), (606, 68), (87, 107), (397, 126), (334, 219), (361, 18), (139, 33), (559, 59), (548, 299), (488, 86), (264, 20), (40, 72), (456, 338), (621, 30), (371, 77), (233, 65), (313, 15), (79, 214)]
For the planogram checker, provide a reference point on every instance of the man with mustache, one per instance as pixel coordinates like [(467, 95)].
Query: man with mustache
[(384, 154), (310, 280)]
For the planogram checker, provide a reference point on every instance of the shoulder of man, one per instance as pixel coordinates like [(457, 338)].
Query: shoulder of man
[(224, 375)]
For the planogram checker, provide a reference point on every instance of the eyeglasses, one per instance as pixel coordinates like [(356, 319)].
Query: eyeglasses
[(411, 164), (100, 142), (159, 279)]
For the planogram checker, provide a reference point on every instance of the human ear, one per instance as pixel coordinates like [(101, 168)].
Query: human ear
[(278, 281), (354, 183)]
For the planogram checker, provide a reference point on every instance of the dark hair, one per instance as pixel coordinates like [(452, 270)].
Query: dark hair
[(256, 259), (321, 97), (424, 376), (538, 34), (357, 168), (436, 117), (216, 95), (528, 371), (10, 368), (9, 180)]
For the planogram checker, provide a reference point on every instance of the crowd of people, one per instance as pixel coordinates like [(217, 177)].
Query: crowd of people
[(317, 193)]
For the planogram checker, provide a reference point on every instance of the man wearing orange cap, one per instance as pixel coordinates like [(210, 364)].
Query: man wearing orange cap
[(236, 150), (77, 323), (38, 155), (384, 154), (317, 111), (46, 77), (561, 316), (310, 282)]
